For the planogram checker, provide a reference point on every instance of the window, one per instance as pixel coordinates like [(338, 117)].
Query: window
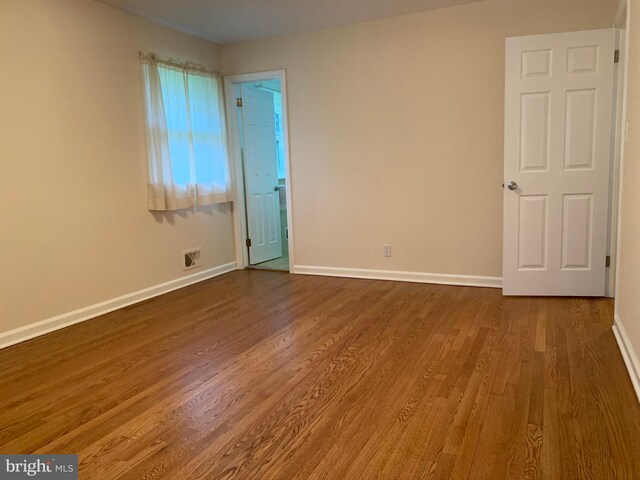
[(186, 135)]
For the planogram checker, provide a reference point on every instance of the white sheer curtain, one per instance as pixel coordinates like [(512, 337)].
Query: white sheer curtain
[(186, 135)]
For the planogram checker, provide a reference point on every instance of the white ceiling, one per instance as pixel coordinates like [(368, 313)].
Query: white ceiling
[(227, 21)]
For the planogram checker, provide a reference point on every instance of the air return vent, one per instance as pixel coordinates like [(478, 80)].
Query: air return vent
[(191, 258)]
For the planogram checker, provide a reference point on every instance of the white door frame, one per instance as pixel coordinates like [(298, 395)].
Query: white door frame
[(618, 139), (622, 17), (239, 207)]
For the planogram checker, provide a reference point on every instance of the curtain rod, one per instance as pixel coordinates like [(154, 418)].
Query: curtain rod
[(187, 66), (268, 89)]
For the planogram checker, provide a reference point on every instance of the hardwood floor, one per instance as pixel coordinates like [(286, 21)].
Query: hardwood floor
[(266, 375)]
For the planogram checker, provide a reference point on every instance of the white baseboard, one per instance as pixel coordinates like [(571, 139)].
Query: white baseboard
[(418, 277), (628, 354), (48, 325)]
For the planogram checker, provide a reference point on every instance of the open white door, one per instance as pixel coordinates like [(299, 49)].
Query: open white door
[(558, 102), (261, 175)]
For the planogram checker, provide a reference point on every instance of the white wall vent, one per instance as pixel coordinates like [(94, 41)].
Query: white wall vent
[(191, 258)]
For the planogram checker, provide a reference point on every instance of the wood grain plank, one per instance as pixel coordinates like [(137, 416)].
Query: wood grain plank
[(264, 375)]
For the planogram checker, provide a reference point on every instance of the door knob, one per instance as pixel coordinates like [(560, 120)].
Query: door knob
[(276, 188), (512, 186)]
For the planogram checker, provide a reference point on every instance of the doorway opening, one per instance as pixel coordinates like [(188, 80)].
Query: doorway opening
[(256, 107)]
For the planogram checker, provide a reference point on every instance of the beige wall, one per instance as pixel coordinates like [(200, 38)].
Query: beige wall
[(396, 131), (74, 229), (396, 137), (628, 295)]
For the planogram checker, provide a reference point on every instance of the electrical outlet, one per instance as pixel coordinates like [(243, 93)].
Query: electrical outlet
[(191, 258), (386, 250)]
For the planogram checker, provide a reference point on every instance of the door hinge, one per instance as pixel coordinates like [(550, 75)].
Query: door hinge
[(616, 56), (238, 102), (607, 261), (248, 242)]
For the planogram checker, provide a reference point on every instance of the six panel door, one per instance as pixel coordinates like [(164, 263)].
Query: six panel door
[(261, 174), (558, 104)]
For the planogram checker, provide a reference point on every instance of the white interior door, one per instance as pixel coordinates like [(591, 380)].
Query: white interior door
[(261, 174), (558, 102)]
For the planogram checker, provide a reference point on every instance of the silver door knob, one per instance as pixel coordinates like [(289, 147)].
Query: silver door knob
[(512, 185)]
